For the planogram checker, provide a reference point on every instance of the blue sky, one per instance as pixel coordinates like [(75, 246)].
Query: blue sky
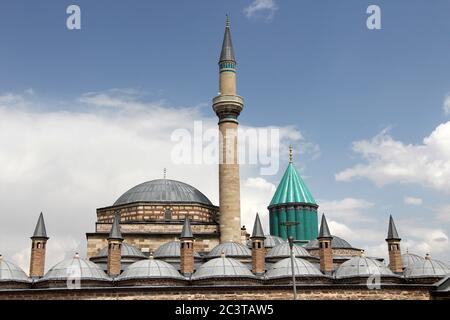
[(309, 64)]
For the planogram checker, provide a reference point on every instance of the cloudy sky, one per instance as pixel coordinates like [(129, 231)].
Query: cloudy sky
[(87, 114)]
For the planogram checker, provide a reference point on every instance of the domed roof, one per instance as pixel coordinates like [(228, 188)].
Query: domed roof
[(11, 272), (408, 259), (336, 243), (171, 250), (85, 269), (150, 269), (283, 268), (427, 267), (221, 268), (361, 267), (269, 242), (163, 190), (283, 251), (230, 249), (127, 251)]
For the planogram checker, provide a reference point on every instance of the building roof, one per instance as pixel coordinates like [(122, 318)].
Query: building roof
[(427, 268), (362, 267), (76, 267), (115, 228), (336, 243), (163, 190), (269, 242), (150, 269), (324, 231), (283, 250), (392, 231), (186, 233), (258, 231), (39, 230), (222, 267), (230, 249), (170, 250), (408, 259), (292, 189), (127, 250), (227, 53), (283, 269), (11, 272)]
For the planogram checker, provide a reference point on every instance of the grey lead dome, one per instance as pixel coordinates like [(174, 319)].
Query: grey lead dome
[(11, 272), (427, 267), (302, 267), (76, 267), (230, 249), (222, 268), (171, 250), (283, 251), (163, 190), (127, 250), (362, 267), (150, 269), (336, 243)]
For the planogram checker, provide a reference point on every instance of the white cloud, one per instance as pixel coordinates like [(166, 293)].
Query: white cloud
[(346, 209), (391, 161), (265, 8), (413, 201), (68, 163), (447, 104), (443, 213)]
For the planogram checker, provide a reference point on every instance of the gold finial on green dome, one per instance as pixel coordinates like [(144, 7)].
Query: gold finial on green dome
[(290, 153)]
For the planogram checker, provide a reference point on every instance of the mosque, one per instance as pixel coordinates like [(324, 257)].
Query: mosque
[(164, 239)]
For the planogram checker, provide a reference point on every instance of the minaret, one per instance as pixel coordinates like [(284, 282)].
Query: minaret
[(187, 249), (115, 247), (38, 247), (228, 105), (325, 250), (395, 255), (258, 249)]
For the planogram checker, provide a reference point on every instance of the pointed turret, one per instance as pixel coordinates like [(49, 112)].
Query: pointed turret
[(325, 249), (257, 228), (186, 232), (293, 202), (115, 239), (38, 249), (395, 255), (187, 266), (115, 229), (258, 248), (324, 230), (39, 230), (227, 53)]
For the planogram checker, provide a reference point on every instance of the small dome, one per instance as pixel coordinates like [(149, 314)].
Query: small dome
[(230, 249), (269, 242), (171, 250), (336, 243), (408, 259), (127, 251), (222, 268), (11, 272), (163, 190), (74, 267), (361, 267), (150, 269), (302, 267), (427, 267), (283, 251)]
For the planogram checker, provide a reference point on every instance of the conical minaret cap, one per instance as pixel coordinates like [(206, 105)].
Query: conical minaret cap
[(227, 53), (115, 228), (40, 231), (258, 231), (324, 231), (392, 231), (186, 233)]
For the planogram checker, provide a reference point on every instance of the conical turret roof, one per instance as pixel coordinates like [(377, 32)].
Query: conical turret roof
[(392, 231), (115, 228), (324, 230), (40, 231), (227, 53), (258, 231), (186, 233)]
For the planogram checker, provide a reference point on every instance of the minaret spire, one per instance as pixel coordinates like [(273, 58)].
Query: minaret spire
[(290, 154), (227, 53)]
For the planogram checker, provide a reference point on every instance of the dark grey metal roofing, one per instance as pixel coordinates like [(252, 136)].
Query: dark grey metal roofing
[(362, 267), (227, 53), (170, 250), (163, 190), (39, 231), (324, 230), (408, 259), (186, 233), (150, 269), (11, 272), (221, 268), (258, 231), (427, 267), (230, 249), (302, 267), (336, 243), (115, 228), (283, 250), (76, 268), (392, 231), (127, 250)]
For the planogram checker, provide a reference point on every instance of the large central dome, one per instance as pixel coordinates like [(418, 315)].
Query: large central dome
[(163, 190)]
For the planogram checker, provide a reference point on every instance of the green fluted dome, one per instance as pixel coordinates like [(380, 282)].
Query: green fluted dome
[(292, 189)]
